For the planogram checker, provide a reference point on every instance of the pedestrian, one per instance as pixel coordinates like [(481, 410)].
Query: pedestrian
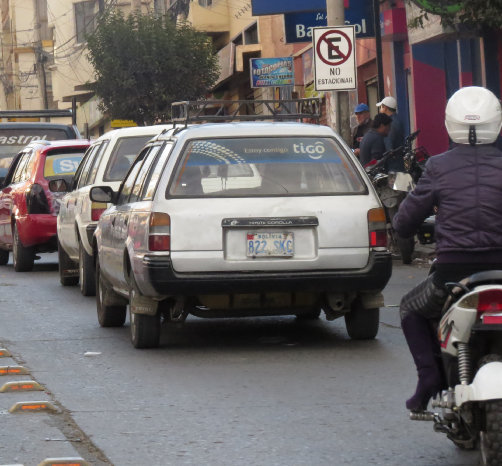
[(364, 121), (395, 139), (372, 145), (464, 185)]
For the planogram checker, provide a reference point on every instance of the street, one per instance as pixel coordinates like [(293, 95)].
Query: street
[(261, 391)]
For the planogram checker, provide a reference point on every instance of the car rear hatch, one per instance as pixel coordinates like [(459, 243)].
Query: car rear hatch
[(267, 204)]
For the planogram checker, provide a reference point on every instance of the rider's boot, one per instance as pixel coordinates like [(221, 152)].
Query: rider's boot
[(422, 344)]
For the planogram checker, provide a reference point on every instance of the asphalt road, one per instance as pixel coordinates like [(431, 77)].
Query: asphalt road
[(268, 391)]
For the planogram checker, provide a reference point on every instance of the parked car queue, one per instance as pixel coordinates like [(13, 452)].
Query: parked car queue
[(223, 220)]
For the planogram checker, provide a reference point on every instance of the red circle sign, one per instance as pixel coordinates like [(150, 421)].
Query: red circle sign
[(335, 56)]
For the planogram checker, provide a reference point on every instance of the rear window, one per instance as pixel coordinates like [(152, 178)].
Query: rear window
[(125, 151), (62, 164), (265, 167)]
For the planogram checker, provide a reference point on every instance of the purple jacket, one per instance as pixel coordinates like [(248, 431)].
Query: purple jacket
[(465, 184)]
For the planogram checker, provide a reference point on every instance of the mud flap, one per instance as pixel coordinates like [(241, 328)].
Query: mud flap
[(141, 304)]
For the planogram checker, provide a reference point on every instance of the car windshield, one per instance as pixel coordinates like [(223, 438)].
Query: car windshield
[(61, 164), (125, 151), (265, 167)]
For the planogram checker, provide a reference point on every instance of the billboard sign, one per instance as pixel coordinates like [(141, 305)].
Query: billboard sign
[(272, 72), (298, 26), (279, 7)]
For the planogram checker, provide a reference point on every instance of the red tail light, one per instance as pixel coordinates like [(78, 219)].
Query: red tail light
[(97, 208), (490, 301), (490, 306), (377, 226), (159, 237)]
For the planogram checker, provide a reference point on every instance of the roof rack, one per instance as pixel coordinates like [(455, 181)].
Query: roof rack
[(245, 110), (35, 113)]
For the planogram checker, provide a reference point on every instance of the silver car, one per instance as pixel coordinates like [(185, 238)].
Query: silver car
[(241, 219)]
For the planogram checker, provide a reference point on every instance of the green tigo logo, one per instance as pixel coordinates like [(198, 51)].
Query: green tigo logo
[(440, 6)]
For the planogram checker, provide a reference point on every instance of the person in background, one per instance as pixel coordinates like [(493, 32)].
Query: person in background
[(395, 139), (373, 146), (364, 121), (464, 185)]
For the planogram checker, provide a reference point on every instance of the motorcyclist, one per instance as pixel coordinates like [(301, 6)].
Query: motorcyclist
[(464, 184)]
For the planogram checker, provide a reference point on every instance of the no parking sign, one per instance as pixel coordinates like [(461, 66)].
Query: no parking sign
[(335, 58)]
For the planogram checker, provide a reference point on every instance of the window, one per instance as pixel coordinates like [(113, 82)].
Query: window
[(128, 184), (84, 19), (205, 3), (125, 151), (138, 185), (83, 171), (251, 34), (21, 173), (60, 164), (154, 175), (268, 166), (94, 170)]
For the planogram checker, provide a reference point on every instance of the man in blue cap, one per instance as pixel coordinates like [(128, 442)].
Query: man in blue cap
[(363, 126)]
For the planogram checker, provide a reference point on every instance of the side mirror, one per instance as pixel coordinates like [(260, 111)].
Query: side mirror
[(103, 194), (58, 186)]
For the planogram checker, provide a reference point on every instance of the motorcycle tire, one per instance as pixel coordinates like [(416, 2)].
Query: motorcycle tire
[(406, 248), (491, 435)]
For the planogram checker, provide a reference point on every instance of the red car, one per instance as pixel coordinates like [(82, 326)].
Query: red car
[(28, 210)]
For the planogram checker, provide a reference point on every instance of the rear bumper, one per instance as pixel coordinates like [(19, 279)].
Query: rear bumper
[(38, 230), (161, 276)]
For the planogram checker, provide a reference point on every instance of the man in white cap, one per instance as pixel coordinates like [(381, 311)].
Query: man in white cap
[(395, 139)]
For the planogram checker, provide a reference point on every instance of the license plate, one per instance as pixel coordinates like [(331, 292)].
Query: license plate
[(270, 245)]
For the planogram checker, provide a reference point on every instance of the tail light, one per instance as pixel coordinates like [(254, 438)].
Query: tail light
[(97, 208), (489, 306), (36, 200), (377, 227), (159, 234)]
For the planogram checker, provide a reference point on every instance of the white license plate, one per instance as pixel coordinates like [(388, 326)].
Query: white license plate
[(270, 245)]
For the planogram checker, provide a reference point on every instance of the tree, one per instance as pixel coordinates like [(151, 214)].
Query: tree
[(143, 63), (475, 14)]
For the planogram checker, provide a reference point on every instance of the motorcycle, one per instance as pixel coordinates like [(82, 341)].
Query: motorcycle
[(470, 331), (393, 184)]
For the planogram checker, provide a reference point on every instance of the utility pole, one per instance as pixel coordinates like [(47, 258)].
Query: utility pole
[(40, 32), (337, 102), (8, 45)]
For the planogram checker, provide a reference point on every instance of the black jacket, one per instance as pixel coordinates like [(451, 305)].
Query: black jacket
[(465, 184)]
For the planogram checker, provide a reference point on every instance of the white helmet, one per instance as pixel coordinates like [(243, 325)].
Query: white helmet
[(473, 116)]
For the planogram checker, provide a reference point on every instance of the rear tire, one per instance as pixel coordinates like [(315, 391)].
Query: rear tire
[(491, 436), (65, 264), (108, 316), (86, 272), (145, 329), (361, 323), (22, 257), (4, 257)]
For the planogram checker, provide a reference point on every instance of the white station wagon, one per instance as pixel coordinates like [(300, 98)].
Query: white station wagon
[(241, 219), (105, 163)]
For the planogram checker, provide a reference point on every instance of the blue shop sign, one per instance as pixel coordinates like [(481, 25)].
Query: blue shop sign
[(299, 26), (267, 72), (279, 7)]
